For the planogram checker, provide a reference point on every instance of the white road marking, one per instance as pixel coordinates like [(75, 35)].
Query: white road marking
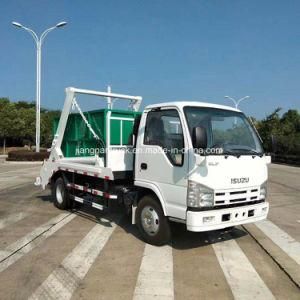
[(284, 241), (155, 279), (244, 281), (22, 246), (64, 280), (13, 218)]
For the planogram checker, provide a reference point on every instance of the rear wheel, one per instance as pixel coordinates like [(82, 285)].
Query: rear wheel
[(60, 194), (151, 221)]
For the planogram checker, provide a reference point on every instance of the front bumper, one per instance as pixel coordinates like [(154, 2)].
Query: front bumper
[(222, 218)]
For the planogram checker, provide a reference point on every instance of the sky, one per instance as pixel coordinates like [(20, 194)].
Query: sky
[(162, 50)]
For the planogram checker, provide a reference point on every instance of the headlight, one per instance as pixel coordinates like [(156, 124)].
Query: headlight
[(199, 195), (263, 191)]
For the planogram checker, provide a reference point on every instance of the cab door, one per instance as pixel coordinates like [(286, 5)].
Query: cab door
[(161, 160)]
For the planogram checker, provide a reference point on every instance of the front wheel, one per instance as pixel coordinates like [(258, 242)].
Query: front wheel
[(151, 221)]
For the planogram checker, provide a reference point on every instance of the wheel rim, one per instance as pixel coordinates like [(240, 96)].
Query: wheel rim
[(150, 220), (60, 192)]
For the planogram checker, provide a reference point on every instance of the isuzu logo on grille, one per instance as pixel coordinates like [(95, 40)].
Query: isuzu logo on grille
[(239, 180)]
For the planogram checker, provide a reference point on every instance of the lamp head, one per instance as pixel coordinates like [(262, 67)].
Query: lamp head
[(61, 24), (17, 24)]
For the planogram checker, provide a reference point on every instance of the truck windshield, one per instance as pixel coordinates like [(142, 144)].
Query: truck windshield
[(228, 132)]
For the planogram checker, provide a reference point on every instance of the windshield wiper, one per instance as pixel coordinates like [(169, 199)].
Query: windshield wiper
[(226, 153), (250, 151)]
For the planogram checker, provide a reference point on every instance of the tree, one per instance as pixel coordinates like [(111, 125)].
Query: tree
[(17, 123), (10, 124), (47, 126), (28, 117), (24, 105), (281, 134), (268, 127), (3, 102)]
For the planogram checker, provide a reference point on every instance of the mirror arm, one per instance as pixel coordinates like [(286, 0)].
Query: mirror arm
[(200, 159)]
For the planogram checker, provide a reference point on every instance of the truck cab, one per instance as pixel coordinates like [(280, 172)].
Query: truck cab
[(204, 163)]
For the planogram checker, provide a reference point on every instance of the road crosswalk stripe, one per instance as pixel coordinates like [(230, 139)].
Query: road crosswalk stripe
[(244, 281), (155, 279), (64, 280), (12, 218), (22, 246), (284, 241)]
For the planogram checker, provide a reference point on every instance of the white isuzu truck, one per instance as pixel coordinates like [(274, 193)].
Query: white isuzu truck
[(196, 163)]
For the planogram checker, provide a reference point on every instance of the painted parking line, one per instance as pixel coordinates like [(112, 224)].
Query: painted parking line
[(64, 280), (279, 237), (16, 250), (244, 281), (155, 279), (12, 218)]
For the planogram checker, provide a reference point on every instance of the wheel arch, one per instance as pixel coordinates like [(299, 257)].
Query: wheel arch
[(56, 175), (145, 188)]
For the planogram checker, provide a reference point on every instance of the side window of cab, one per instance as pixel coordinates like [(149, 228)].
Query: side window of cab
[(164, 129)]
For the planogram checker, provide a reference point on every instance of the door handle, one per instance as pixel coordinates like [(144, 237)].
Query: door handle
[(144, 166)]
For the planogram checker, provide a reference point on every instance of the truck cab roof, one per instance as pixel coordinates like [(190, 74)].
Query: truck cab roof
[(181, 104)]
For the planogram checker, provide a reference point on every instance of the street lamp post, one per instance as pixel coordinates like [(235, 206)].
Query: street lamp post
[(237, 102), (39, 42)]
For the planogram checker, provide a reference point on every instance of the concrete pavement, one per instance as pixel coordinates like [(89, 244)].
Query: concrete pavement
[(13, 175), (46, 253), (280, 235)]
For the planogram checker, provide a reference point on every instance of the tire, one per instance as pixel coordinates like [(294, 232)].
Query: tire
[(151, 221), (61, 194)]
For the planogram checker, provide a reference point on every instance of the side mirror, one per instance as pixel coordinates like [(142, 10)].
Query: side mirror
[(199, 137), (268, 159)]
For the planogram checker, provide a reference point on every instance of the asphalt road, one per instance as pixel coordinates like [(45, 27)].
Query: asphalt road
[(46, 253)]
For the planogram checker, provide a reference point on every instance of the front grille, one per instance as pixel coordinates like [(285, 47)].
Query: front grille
[(238, 200), (236, 196), (220, 194), (238, 192)]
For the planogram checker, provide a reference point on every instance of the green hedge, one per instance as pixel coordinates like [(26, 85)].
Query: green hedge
[(26, 155), (287, 159)]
